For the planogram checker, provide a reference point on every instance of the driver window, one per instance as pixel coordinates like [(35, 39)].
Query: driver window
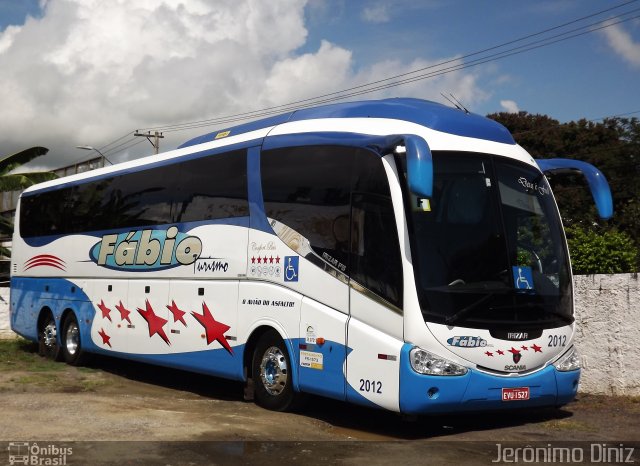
[(306, 194)]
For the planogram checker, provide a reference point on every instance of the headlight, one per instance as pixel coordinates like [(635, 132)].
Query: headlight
[(424, 362), (570, 361)]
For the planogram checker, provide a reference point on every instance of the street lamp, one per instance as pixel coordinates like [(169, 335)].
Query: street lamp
[(104, 157)]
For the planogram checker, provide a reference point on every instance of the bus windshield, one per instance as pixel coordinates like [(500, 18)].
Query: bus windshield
[(488, 248)]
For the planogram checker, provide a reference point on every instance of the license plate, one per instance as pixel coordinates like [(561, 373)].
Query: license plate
[(515, 394)]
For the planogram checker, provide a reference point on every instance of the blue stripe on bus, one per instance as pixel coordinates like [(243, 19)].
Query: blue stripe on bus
[(240, 129), (425, 113), (330, 381), (254, 182)]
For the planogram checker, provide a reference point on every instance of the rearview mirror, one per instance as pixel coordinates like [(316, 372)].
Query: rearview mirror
[(419, 166), (595, 179)]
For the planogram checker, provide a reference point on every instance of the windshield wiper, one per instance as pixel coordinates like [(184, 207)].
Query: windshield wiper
[(466, 310)]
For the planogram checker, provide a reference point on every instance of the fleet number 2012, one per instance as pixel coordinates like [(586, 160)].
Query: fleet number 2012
[(370, 386), (557, 340)]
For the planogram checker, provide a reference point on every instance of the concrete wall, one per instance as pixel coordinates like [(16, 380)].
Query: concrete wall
[(5, 329), (608, 335)]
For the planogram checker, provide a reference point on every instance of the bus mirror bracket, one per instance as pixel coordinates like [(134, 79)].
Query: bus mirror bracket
[(419, 166), (595, 179)]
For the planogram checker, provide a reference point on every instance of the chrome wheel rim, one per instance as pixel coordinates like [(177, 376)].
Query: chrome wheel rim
[(72, 338), (49, 334), (274, 371)]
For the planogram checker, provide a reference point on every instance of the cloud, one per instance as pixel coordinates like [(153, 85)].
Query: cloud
[(376, 14), (85, 72), (509, 106), (623, 44)]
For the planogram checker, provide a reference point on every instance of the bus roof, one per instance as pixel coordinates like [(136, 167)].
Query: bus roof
[(428, 114), (423, 112)]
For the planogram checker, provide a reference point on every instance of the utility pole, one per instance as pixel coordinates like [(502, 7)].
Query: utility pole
[(156, 139)]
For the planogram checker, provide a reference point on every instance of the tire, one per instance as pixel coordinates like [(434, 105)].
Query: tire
[(72, 351), (48, 338), (272, 376)]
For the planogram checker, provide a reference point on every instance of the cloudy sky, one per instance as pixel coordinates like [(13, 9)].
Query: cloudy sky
[(89, 72)]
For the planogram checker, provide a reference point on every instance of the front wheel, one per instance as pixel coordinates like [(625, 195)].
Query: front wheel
[(71, 342), (271, 374)]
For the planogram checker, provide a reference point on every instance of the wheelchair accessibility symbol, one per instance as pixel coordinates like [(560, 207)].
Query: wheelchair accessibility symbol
[(522, 277), (291, 268)]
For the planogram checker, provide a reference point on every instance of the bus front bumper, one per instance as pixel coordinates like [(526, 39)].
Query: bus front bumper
[(476, 390)]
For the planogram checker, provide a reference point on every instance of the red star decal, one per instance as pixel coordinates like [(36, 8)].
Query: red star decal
[(514, 351), (177, 313), (105, 338), (536, 348), (277, 259), (271, 260), (265, 259), (105, 310), (214, 329), (500, 352), (525, 348), (489, 353), (155, 322), (259, 260), (253, 260), (124, 312)]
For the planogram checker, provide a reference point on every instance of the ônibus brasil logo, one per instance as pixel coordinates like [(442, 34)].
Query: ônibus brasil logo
[(146, 250)]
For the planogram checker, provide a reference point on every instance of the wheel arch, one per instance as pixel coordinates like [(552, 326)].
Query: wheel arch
[(45, 312), (250, 347)]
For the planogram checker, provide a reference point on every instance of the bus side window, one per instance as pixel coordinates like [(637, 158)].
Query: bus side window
[(376, 262), (306, 192), (212, 187)]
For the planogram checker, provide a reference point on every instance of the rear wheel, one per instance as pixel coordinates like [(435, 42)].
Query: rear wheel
[(48, 338), (71, 343), (271, 374)]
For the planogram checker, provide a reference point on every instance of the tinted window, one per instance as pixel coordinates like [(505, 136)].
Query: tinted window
[(213, 187), (375, 260), (201, 189), (308, 194), (306, 191), (133, 199)]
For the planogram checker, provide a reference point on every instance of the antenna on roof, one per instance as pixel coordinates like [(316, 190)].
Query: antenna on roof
[(451, 101), (459, 103)]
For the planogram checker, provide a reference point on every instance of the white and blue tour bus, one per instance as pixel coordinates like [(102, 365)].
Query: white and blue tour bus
[(397, 254)]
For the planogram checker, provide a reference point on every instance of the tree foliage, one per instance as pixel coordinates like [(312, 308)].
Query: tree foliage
[(610, 252), (612, 145), (19, 181)]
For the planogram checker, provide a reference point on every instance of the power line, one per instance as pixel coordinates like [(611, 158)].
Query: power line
[(414, 75), (370, 87)]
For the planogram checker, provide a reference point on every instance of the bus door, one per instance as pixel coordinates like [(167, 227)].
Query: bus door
[(375, 330), (303, 248)]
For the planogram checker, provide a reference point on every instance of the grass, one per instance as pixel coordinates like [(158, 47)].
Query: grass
[(23, 369), (20, 354)]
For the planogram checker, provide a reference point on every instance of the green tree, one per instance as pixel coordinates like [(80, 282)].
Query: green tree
[(609, 252), (612, 145), (18, 181)]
